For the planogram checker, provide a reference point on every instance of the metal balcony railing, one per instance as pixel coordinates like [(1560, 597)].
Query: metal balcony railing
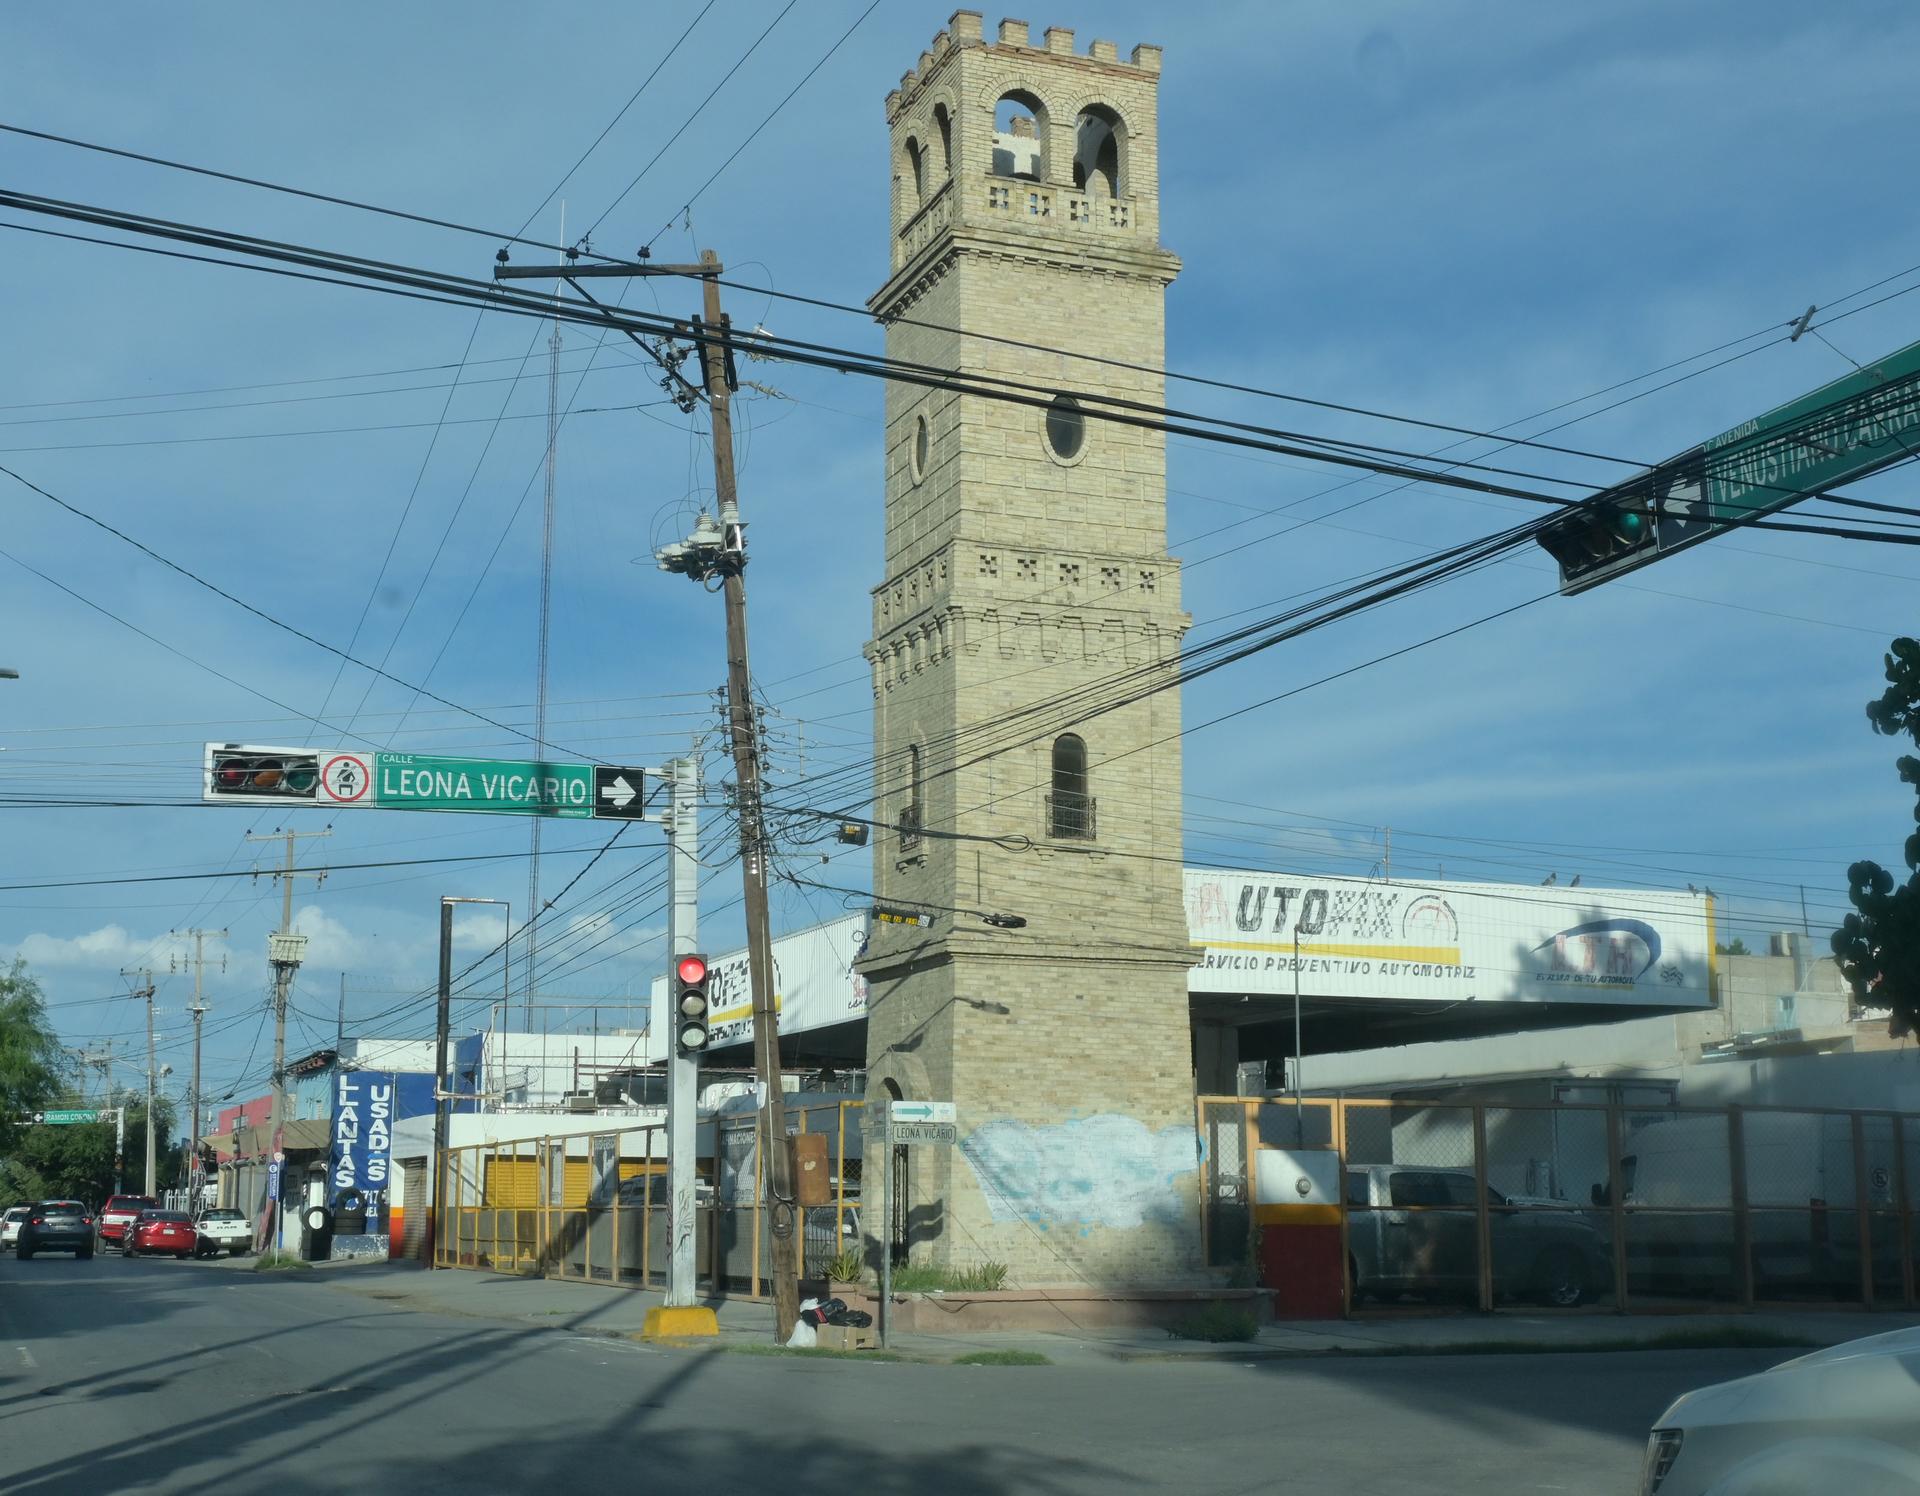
[(1070, 815)]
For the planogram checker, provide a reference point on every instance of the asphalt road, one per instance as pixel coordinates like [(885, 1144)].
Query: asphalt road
[(161, 1376)]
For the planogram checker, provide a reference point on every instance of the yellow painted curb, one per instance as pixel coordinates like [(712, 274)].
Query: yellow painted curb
[(679, 1324)]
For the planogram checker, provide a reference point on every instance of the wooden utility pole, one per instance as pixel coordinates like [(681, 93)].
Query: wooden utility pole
[(783, 1216), (284, 952), (721, 552)]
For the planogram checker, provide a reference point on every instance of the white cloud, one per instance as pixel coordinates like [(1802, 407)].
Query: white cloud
[(109, 948)]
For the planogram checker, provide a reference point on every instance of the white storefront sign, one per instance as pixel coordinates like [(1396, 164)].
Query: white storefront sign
[(814, 983), (1488, 942)]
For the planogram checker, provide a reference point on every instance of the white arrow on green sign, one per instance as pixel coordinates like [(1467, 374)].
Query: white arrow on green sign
[(922, 1111)]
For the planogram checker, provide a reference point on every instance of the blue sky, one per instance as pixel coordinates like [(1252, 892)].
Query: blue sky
[(1466, 213)]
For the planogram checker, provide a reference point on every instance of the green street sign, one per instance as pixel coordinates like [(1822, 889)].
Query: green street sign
[(363, 779), (1842, 431), (68, 1117), (412, 781)]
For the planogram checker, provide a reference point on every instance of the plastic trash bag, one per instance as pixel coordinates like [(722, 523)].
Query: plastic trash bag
[(803, 1334)]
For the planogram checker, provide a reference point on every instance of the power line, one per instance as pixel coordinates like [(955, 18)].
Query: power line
[(256, 436), (828, 304), (385, 276), (269, 384), (632, 99), (754, 133), (338, 867), (694, 114), (128, 624), (261, 613)]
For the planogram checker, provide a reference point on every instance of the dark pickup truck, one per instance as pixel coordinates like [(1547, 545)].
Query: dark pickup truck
[(1415, 1231)]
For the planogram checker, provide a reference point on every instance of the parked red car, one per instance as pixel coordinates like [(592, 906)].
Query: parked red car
[(118, 1213), (162, 1231)]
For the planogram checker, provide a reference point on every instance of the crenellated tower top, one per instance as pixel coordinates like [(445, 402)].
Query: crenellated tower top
[(1035, 136)]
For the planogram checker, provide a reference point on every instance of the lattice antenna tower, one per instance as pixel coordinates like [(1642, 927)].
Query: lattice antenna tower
[(532, 939)]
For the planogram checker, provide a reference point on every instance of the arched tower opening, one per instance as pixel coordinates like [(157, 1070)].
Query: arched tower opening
[(1099, 150), (1020, 136)]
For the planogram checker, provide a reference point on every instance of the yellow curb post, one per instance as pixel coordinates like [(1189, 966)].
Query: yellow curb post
[(689, 1323)]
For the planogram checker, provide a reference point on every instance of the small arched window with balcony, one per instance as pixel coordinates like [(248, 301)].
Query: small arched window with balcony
[(911, 813), (1099, 146), (1020, 137), (1070, 800)]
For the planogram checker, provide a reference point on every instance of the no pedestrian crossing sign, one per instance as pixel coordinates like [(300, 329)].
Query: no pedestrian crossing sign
[(364, 779)]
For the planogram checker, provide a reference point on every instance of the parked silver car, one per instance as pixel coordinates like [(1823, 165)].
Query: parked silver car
[(1842, 1419)]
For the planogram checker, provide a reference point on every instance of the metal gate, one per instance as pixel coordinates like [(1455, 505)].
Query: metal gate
[(1569, 1205)]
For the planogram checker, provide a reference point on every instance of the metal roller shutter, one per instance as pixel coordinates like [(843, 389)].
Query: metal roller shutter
[(414, 1209)]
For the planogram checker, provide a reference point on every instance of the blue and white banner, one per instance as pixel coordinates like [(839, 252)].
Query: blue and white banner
[(363, 1118)]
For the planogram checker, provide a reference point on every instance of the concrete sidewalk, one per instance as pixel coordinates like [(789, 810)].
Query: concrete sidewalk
[(587, 1308)]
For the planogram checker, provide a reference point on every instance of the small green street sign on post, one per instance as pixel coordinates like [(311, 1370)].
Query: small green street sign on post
[(68, 1117)]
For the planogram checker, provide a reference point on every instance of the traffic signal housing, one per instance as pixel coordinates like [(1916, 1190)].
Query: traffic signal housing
[(690, 1004), (1612, 533), (253, 773)]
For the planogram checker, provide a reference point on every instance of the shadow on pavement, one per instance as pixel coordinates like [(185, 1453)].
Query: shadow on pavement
[(405, 1419), (1611, 1392)]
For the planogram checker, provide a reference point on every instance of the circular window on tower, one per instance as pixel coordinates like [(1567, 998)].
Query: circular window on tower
[(920, 453), (1066, 429)]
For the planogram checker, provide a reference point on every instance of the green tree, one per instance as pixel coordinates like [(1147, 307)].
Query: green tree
[(1878, 945), (33, 1067), (1737, 948), (78, 1160)]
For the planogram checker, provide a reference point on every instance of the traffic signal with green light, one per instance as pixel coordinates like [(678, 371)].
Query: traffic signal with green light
[(690, 1007), (263, 775), (1598, 539)]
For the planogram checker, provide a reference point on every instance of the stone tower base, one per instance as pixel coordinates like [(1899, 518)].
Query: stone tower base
[(1078, 1160)]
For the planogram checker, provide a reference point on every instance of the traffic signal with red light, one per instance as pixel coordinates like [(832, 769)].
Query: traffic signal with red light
[(690, 1006), (263, 775)]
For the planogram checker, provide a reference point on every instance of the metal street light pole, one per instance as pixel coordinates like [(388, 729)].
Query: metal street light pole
[(683, 1069), (442, 1097)]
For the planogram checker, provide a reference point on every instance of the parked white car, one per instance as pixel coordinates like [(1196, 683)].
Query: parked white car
[(1844, 1419), (223, 1230), (10, 1225)]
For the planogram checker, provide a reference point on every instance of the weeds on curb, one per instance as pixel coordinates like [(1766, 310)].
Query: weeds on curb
[(1217, 1323), (988, 1277)]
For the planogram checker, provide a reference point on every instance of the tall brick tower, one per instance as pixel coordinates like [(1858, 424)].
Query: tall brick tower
[(1026, 563)]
